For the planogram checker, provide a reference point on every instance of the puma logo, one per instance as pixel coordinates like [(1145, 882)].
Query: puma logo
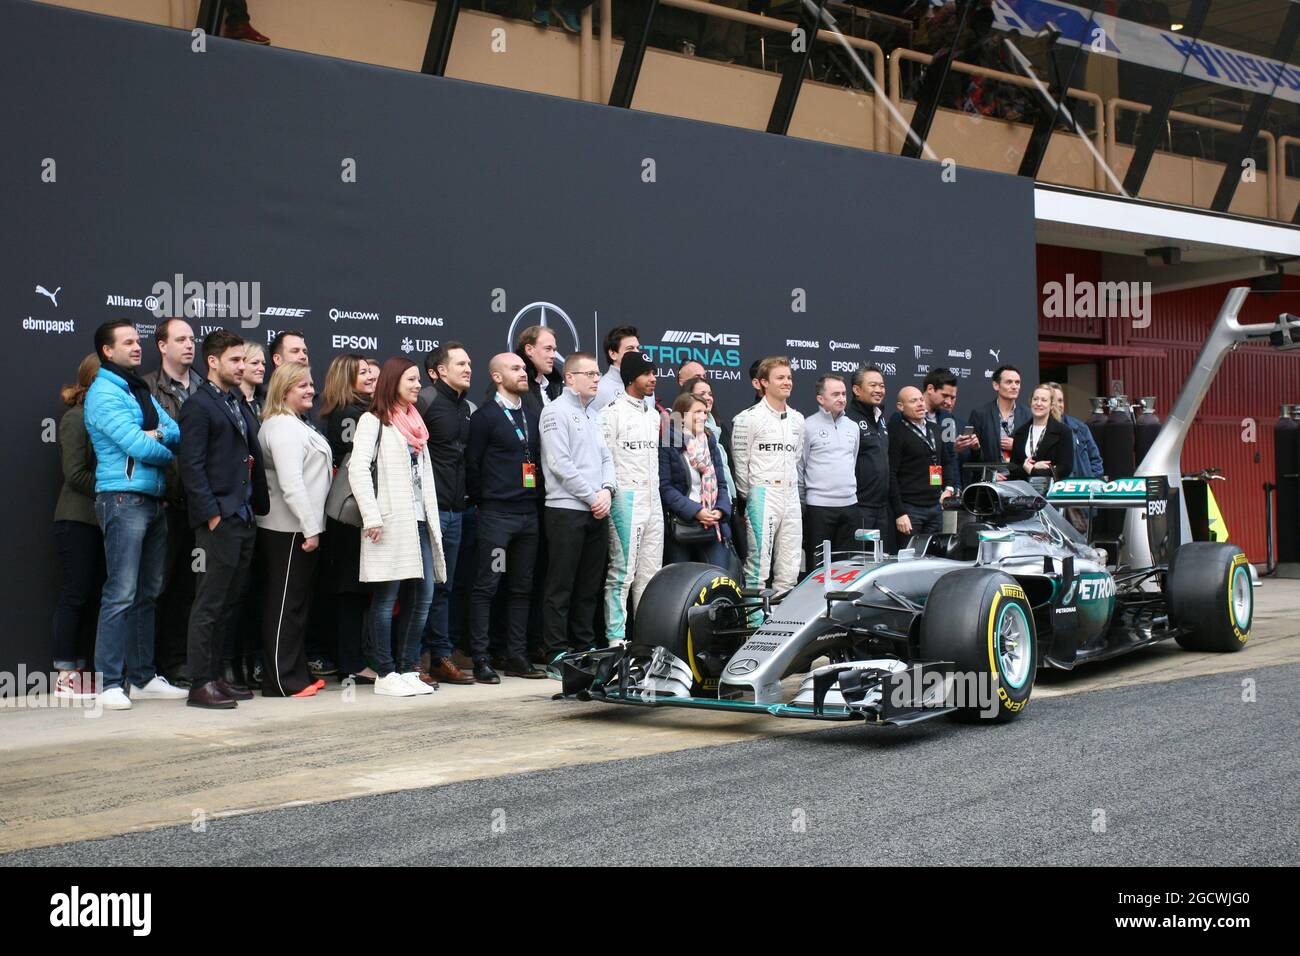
[(997, 354), (52, 296)]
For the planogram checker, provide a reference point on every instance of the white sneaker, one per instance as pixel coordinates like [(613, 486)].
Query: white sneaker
[(159, 689), (115, 699), (392, 685), (417, 685)]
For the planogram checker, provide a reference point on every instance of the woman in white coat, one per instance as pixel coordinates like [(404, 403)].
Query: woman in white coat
[(401, 542), (299, 467)]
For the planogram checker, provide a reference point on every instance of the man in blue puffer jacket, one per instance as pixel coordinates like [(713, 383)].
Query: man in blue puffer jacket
[(134, 441)]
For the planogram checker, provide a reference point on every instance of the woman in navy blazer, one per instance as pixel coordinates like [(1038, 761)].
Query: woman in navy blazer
[(680, 486)]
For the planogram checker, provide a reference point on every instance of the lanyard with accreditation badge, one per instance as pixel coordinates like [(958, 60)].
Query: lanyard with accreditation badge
[(529, 469), (936, 470)]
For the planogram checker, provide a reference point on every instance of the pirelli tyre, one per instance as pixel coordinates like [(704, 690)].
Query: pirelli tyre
[(981, 620), (1211, 596), (661, 612)]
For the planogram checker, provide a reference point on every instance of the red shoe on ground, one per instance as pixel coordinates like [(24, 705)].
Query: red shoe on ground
[(244, 31)]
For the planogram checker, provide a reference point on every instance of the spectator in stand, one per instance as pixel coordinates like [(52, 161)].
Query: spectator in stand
[(721, 431), (917, 457), (872, 468), (997, 421), (724, 40), (133, 438), (80, 544), (174, 381), (618, 342), (1042, 447), (579, 476), (299, 466), (636, 526), (504, 481), (564, 13), (1085, 453), (225, 489), (237, 25), (536, 346), (446, 416), (827, 477), (349, 388), (401, 543), (691, 470), (288, 346)]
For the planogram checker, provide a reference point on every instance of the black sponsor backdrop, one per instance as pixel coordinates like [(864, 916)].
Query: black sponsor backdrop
[(228, 166)]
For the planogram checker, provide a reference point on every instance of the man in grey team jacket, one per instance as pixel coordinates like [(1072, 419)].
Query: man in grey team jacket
[(580, 485)]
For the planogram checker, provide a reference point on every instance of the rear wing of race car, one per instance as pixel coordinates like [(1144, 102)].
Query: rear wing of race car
[(1152, 494)]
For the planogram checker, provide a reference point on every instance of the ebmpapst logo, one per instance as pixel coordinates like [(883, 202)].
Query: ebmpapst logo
[(50, 326)]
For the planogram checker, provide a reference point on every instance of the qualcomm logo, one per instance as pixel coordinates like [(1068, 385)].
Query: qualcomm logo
[(52, 296), (844, 345), (545, 314), (336, 314), (704, 338)]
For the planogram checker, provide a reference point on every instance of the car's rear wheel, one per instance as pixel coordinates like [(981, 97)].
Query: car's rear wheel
[(1211, 596), (981, 620), (661, 614)]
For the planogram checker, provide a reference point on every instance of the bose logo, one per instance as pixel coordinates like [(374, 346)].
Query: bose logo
[(286, 313), (887, 349)]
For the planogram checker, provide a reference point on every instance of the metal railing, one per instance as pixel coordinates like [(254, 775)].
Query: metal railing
[(1116, 104)]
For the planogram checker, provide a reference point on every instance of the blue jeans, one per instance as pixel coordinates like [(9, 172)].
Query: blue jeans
[(437, 631), (926, 520), (416, 595), (135, 556)]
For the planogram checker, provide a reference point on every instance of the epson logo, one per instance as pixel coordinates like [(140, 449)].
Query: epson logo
[(844, 345), (282, 312), (336, 314), (803, 343), (843, 366), (959, 353), (704, 338), (887, 349), (418, 320), (776, 446), (356, 343), (1157, 507)]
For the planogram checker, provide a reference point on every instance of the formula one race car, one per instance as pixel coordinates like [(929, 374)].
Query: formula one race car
[(955, 623)]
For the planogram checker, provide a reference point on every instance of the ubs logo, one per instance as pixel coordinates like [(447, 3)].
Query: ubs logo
[(552, 317)]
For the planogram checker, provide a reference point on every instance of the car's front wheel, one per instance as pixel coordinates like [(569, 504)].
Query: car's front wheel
[(661, 614), (981, 620)]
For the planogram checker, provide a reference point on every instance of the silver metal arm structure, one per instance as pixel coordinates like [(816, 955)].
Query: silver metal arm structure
[(1166, 453)]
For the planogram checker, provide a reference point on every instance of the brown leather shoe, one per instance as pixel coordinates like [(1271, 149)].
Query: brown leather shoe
[(448, 672), (209, 695), (224, 686), (426, 677)]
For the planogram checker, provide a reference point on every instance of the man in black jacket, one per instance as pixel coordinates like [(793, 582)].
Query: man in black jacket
[(503, 475), (917, 460), (536, 346), (872, 469), (225, 488), (996, 422), (447, 418)]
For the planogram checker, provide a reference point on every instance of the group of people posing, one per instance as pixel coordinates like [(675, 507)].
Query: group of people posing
[(237, 528)]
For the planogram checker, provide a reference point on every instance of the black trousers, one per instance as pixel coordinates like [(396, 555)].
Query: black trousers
[(837, 525), (81, 579), (173, 614), (578, 544), (506, 551), (227, 554), (286, 603)]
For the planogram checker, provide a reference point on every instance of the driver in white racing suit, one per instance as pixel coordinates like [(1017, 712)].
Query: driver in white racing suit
[(767, 442), (636, 526)]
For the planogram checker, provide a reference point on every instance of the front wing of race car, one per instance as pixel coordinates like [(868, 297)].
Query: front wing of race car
[(885, 692)]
